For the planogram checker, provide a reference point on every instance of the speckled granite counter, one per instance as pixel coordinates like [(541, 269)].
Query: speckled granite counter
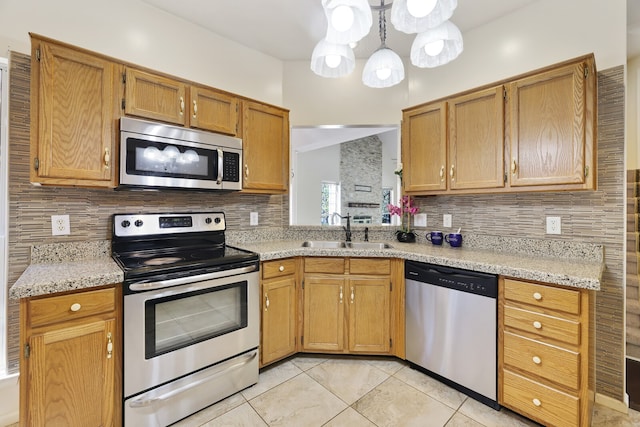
[(67, 266), (574, 272)]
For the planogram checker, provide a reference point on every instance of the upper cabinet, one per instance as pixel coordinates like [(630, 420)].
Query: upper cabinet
[(531, 133), (74, 112), (265, 137), (552, 118), (173, 101)]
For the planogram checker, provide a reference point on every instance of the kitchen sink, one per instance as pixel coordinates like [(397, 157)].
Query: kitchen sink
[(368, 245), (323, 244)]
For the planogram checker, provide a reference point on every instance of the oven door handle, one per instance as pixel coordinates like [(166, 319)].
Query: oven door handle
[(142, 402), (149, 286)]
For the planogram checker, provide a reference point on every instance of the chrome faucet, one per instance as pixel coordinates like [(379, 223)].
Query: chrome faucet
[(347, 229)]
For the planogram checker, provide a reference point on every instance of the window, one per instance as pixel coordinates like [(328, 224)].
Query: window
[(387, 193), (330, 203), (4, 209)]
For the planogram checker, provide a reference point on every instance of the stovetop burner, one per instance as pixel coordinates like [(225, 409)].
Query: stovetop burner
[(158, 245)]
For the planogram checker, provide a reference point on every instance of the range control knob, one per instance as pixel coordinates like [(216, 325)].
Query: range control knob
[(217, 220), (138, 223), (125, 224), (207, 220)]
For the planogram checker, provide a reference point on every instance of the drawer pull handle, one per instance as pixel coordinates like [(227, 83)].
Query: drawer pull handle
[(536, 360), (75, 307), (537, 325), (281, 268), (537, 296), (266, 301), (537, 402)]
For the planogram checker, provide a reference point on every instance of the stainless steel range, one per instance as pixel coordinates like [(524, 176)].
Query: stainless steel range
[(191, 314)]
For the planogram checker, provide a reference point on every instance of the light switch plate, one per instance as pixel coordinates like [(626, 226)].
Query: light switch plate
[(420, 220), (253, 218), (446, 220)]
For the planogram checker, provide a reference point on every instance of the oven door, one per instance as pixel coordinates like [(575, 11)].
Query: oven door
[(154, 161), (173, 331)]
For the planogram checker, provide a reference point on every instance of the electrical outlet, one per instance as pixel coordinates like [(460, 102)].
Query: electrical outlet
[(60, 225), (253, 218), (446, 220), (420, 220), (554, 225)]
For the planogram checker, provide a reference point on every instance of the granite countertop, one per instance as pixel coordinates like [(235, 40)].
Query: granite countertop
[(65, 267), (573, 272), (81, 265)]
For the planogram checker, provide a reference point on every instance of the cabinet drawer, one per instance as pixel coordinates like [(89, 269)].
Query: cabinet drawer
[(277, 268), (370, 266), (324, 265), (62, 308), (566, 300), (556, 328), (550, 362), (545, 404)]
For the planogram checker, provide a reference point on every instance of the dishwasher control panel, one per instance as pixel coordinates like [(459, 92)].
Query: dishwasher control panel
[(453, 278)]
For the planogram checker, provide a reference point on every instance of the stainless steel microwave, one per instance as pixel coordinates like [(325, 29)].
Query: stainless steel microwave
[(156, 155)]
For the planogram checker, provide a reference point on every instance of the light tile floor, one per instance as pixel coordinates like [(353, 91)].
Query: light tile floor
[(310, 391)]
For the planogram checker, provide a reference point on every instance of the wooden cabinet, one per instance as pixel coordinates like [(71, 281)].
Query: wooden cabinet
[(552, 117), (265, 137), (546, 352), (350, 305), (279, 310), (476, 140), (70, 366), (424, 149), (74, 116), (534, 132), (170, 100)]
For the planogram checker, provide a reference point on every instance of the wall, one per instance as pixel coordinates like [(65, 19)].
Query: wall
[(136, 32), (589, 217), (633, 104), (90, 211), (313, 167)]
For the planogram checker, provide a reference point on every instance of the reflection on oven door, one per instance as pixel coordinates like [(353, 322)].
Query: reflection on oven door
[(169, 403)]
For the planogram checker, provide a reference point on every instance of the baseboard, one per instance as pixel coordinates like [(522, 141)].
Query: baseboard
[(611, 403), (9, 400)]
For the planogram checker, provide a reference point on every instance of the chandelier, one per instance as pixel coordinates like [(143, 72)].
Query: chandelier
[(438, 41)]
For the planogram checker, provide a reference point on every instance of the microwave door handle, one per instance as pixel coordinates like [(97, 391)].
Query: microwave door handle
[(220, 165)]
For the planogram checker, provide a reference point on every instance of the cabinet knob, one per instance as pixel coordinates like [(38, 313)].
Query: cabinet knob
[(536, 360), (75, 307), (195, 109), (451, 172), (266, 301), (537, 402), (281, 268), (441, 173), (514, 166), (246, 170), (107, 158), (537, 325), (352, 295), (341, 295), (109, 346), (537, 296), (181, 105)]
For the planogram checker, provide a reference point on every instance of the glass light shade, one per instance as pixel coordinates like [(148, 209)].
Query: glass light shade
[(404, 21), (332, 60), (337, 30), (424, 42), (421, 8), (383, 63)]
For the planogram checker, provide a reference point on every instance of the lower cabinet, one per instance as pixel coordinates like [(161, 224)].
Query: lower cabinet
[(546, 358), (70, 364), (278, 338), (349, 306)]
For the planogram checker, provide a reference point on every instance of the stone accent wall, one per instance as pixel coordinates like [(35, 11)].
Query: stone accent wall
[(633, 252), (589, 217), (361, 166), (90, 211)]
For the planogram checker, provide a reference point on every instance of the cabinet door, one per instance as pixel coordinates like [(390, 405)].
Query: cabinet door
[(265, 136), (155, 97), (324, 301), (424, 148), (476, 140), (214, 111), (71, 376), (278, 318), (73, 128), (548, 115), (369, 313)]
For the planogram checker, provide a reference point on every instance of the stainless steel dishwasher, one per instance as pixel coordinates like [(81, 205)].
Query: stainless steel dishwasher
[(451, 327)]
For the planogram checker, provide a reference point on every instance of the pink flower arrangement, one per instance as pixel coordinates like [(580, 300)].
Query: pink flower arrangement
[(405, 211)]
